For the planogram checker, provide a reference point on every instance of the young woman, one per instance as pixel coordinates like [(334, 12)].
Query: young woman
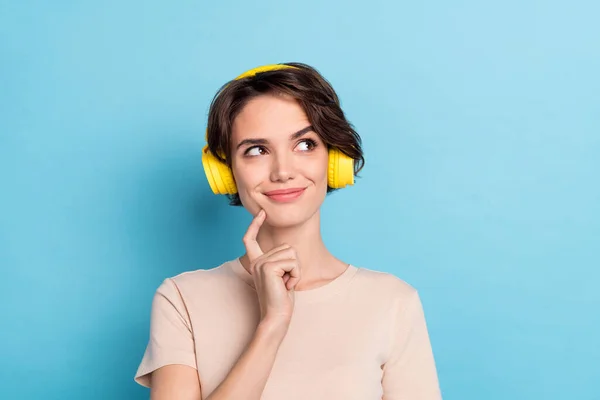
[(287, 320)]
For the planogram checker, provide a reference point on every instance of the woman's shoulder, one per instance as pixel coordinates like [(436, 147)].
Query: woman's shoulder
[(210, 272), (201, 280), (382, 283)]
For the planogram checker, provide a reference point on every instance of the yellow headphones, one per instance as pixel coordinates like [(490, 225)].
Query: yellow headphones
[(220, 177)]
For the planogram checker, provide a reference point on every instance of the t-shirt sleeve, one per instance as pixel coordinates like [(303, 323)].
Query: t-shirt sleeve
[(171, 339), (410, 371)]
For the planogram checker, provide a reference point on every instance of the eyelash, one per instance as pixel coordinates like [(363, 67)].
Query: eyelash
[(312, 144)]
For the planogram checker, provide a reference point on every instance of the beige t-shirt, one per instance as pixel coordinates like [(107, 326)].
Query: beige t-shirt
[(361, 336)]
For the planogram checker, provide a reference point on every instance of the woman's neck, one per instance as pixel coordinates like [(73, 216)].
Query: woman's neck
[(316, 262)]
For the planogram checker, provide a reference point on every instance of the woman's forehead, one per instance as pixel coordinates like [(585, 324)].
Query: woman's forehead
[(272, 117)]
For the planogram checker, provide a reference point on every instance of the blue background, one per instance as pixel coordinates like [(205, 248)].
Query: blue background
[(481, 129)]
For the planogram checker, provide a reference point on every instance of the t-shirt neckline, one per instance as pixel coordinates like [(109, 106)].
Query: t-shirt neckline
[(325, 291)]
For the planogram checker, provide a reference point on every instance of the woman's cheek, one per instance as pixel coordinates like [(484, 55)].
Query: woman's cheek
[(247, 185)]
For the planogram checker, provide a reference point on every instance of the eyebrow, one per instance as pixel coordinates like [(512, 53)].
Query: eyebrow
[(256, 142)]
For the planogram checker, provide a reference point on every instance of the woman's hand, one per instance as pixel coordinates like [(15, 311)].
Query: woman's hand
[(275, 274)]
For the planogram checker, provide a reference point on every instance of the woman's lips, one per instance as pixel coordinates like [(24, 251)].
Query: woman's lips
[(285, 195)]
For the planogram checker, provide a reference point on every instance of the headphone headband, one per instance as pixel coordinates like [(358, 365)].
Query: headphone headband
[(263, 68)]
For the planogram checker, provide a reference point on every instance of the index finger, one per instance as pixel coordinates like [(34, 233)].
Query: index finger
[(252, 247)]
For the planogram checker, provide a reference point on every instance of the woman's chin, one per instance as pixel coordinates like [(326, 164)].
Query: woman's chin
[(286, 218)]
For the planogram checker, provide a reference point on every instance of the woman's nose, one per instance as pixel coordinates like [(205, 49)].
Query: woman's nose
[(282, 168)]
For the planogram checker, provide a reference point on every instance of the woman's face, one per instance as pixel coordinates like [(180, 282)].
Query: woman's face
[(273, 149)]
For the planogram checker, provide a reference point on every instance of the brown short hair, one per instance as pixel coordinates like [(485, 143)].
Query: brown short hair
[(304, 83)]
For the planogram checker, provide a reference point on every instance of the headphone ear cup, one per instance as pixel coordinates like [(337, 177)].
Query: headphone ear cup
[(218, 174), (341, 169)]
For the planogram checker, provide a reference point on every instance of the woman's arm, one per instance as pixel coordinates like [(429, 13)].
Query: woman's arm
[(410, 372), (175, 382), (248, 377), (246, 380)]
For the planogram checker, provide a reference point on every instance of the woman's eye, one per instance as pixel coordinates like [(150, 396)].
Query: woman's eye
[(307, 145), (254, 151)]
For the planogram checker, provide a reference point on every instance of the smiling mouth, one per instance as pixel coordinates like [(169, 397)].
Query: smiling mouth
[(285, 195)]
